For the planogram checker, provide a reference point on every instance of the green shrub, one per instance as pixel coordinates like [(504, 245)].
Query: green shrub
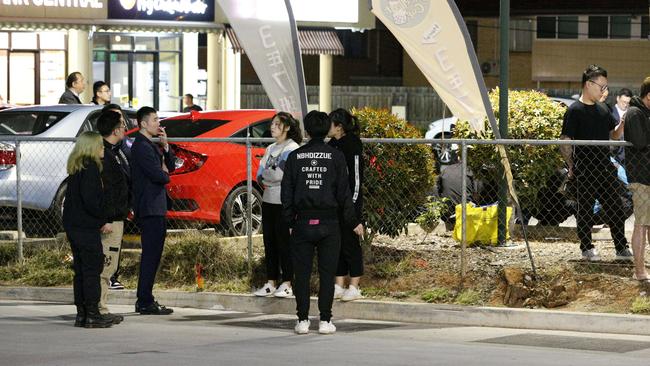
[(437, 294), (398, 178), (8, 254), (532, 115), (469, 297), (641, 305), (430, 218)]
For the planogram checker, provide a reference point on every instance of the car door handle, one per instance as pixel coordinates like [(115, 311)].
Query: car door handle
[(259, 156)]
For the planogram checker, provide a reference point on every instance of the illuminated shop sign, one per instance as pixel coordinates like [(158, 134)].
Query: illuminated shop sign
[(94, 4), (190, 10)]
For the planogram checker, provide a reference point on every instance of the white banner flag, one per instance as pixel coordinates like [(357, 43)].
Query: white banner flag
[(434, 34), (267, 32)]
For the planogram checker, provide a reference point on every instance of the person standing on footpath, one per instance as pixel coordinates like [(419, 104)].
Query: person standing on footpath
[(75, 84), (84, 221), (596, 177), (637, 165), (286, 131), (314, 188), (115, 175), (150, 167), (344, 134)]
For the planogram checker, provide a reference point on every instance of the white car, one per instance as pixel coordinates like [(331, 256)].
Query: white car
[(444, 127)]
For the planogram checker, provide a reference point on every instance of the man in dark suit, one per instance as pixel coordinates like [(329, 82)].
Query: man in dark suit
[(150, 167), (75, 84)]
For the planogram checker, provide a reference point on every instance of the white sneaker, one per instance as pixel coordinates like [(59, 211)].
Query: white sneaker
[(266, 290), (351, 294), (284, 290), (302, 326), (338, 291), (326, 327), (591, 255)]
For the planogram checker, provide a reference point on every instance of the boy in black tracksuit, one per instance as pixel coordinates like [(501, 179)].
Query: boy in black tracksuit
[(314, 187)]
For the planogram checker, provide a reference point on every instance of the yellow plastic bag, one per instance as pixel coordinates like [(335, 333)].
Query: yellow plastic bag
[(481, 224)]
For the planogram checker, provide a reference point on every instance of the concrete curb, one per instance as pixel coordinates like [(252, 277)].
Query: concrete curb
[(371, 310)]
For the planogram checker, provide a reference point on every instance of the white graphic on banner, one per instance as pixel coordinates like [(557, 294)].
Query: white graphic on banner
[(93, 4)]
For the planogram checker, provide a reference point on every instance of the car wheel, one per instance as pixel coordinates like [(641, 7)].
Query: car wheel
[(234, 213), (56, 210), (446, 153)]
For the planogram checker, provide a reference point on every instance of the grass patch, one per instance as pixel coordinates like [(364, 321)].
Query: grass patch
[(437, 294), (388, 268), (641, 305), (469, 297)]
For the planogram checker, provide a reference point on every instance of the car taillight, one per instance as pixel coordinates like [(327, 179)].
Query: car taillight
[(187, 161), (7, 156)]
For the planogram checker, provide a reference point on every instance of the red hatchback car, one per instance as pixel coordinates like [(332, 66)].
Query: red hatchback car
[(209, 184)]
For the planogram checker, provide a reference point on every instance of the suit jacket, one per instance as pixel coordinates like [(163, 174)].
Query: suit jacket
[(68, 97), (148, 178)]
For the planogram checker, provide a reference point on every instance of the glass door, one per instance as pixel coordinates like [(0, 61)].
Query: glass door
[(120, 81), (144, 73)]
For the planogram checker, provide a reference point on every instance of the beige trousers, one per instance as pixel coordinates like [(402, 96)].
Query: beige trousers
[(112, 243)]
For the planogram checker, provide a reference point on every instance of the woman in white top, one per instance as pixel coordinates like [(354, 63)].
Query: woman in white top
[(279, 269)]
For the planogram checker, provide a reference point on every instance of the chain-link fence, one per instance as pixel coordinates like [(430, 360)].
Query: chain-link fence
[(413, 208)]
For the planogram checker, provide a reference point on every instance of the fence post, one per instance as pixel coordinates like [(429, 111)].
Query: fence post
[(19, 206), (249, 201), (463, 189)]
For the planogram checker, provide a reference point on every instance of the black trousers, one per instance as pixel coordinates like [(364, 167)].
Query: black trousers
[(325, 238), (153, 233), (276, 244), (600, 184), (88, 265), (351, 255)]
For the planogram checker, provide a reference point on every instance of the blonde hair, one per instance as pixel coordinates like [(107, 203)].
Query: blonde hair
[(86, 148)]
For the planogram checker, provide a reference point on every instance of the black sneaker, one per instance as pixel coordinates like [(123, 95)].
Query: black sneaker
[(154, 309), (116, 285)]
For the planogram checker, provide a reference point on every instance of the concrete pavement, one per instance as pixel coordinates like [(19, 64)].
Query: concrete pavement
[(36, 333)]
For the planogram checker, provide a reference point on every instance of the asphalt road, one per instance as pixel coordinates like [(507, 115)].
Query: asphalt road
[(33, 333)]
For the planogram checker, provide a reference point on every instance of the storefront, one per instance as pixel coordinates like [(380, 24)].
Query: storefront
[(145, 50), (140, 54)]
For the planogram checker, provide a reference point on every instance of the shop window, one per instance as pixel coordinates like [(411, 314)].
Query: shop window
[(4, 40), (3, 76), (121, 43), (172, 43), (598, 26), (521, 35), (567, 27), (620, 27), (645, 27), (546, 27), (145, 43), (52, 69), (22, 66), (101, 42), (52, 40), (99, 65), (24, 41)]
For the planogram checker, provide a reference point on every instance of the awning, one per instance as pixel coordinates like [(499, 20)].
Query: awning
[(103, 25), (312, 42)]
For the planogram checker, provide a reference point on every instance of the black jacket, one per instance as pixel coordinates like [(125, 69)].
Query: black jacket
[(315, 186), (350, 145), (637, 131), (116, 183), (83, 208), (149, 180), (68, 97)]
